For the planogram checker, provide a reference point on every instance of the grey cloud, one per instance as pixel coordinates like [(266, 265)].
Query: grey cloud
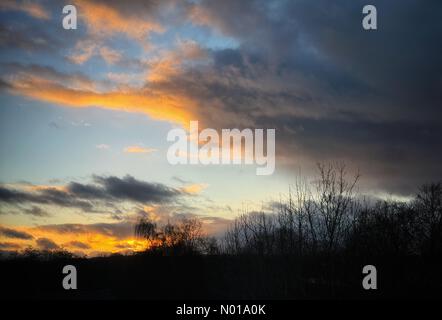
[(87, 191), (9, 246), (46, 244), (119, 230), (36, 211), (104, 195), (11, 233), (129, 188), (79, 245), (46, 196)]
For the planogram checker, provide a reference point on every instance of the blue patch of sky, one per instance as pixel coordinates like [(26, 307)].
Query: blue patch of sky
[(40, 141)]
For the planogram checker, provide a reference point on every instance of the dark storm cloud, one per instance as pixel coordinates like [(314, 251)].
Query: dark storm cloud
[(318, 52), (11, 233), (105, 192), (392, 156), (332, 90)]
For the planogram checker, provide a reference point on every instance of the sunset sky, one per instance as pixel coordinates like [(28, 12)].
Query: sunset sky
[(84, 114)]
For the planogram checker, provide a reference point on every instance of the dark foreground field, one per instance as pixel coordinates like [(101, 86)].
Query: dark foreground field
[(220, 277)]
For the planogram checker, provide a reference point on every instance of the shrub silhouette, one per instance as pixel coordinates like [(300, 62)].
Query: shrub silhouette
[(185, 237)]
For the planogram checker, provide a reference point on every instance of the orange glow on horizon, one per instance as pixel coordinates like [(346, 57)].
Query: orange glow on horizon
[(84, 243)]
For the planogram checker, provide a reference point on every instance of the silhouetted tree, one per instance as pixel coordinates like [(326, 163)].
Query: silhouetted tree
[(309, 220), (146, 229), (428, 204), (183, 237)]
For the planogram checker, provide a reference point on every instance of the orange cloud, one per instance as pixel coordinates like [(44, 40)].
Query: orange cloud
[(104, 20), (155, 103), (44, 187), (163, 69), (171, 62), (84, 50), (194, 188), (138, 149)]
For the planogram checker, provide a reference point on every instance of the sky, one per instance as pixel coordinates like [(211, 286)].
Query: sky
[(85, 113)]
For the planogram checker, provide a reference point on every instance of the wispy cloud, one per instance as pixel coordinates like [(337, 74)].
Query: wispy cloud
[(86, 49), (195, 188), (103, 20), (103, 146), (111, 56), (83, 51), (138, 149)]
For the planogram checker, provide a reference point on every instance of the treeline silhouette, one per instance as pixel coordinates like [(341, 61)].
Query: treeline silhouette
[(324, 217), (312, 244)]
